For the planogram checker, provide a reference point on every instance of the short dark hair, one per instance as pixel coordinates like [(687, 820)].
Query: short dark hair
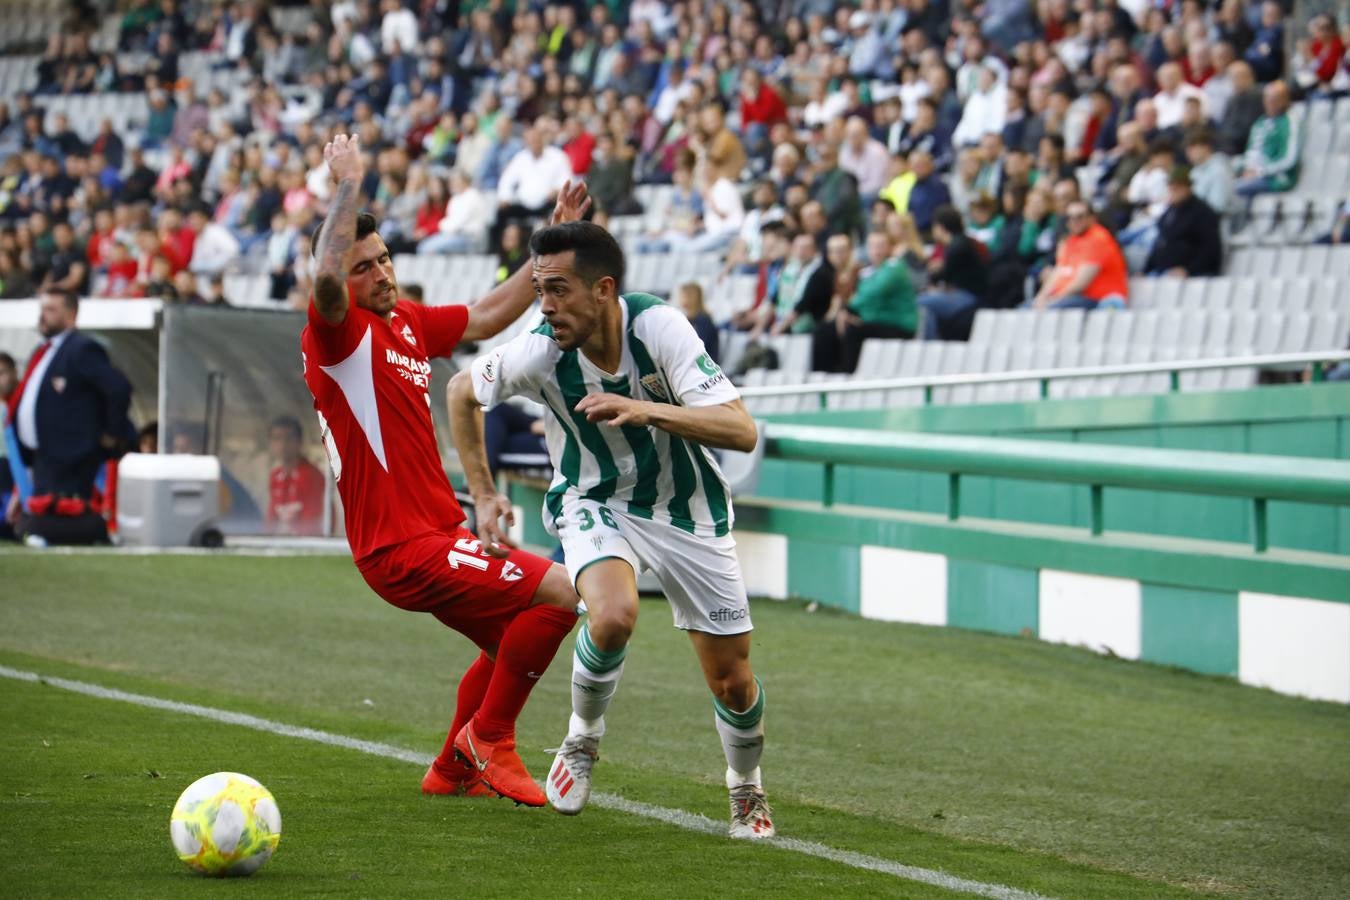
[(1200, 136), (290, 423), (597, 253), (1161, 146), (69, 299), (366, 225), (777, 226), (949, 218), (7, 360), (412, 291)]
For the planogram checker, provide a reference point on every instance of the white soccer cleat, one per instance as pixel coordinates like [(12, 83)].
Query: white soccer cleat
[(751, 818), (569, 781)]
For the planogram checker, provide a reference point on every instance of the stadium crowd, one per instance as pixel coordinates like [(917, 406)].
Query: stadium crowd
[(867, 160)]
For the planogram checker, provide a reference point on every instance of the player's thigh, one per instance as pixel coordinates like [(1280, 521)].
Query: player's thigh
[(700, 576), (451, 576), (601, 559)]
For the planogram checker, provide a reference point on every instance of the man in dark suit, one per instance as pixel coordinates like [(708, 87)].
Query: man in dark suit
[(70, 411)]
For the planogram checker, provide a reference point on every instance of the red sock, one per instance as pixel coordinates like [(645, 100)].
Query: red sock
[(526, 649), (468, 698)]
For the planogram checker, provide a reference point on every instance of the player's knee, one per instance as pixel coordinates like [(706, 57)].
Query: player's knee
[(735, 690), (556, 589), (611, 625)]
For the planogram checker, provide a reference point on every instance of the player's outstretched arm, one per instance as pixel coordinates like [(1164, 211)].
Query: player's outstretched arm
[(339, 229), (509, 300), (727, 426), (466, 429)]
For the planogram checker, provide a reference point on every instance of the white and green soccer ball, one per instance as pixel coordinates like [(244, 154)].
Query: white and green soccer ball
[(225, 824)]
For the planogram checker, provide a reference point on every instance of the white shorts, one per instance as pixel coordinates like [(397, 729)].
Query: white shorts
[(700, 576)]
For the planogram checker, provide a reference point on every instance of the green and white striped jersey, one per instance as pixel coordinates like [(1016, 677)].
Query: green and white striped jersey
[(643, 470)]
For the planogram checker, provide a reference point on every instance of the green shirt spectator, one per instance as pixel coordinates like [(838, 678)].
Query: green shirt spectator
[(886, 296)]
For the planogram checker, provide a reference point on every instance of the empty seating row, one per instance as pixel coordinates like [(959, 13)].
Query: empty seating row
[(1291, 262), (661, 273), (1216, 333), (918, 359), (1294, 218), (445, 278), (1225, 293)]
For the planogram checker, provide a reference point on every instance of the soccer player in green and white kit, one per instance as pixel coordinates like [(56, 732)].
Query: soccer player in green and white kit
[(634, 402)]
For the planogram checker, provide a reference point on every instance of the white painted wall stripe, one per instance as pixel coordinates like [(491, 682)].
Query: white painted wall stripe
[(903, 586), (764, 567), (676, 817), (1294, 645), (1090, 611)]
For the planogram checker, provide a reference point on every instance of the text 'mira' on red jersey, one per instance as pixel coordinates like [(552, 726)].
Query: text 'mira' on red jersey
[(370, 381)]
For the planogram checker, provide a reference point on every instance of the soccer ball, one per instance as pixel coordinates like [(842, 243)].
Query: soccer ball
[(225, 824)]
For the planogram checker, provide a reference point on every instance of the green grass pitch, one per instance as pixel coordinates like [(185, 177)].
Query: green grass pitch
[(997, 760)]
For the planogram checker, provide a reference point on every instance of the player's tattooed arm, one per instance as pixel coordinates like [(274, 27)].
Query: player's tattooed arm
[(339, 231), (498, 309), (466, 427)]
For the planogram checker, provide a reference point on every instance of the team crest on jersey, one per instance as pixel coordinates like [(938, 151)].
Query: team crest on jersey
[(652, 385), (408, 335), (511, 571)]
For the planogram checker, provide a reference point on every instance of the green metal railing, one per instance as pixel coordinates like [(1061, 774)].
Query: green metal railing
[(1318, 361), (1254, 477)]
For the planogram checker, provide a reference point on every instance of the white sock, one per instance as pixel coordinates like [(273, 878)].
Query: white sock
[(742, 735), (595, 679)]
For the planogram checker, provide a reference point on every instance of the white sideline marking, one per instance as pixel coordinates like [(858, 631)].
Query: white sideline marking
[(677, 817)]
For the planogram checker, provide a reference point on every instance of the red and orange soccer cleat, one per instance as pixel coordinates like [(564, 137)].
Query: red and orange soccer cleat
[(500, 767), (470, 785)]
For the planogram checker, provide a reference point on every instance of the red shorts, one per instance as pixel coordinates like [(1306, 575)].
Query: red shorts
[(449, 575)]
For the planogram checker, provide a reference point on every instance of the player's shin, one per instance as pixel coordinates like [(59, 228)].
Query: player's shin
[(742, 735), (472, 687), (595, 679), (528, 646)]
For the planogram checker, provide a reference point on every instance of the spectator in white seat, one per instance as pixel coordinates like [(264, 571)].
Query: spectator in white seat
[(1270, 164), (468, 213), (985, 111), (215, 248), (1211, 171), (398, 28), (864, 157), (1173, 91)]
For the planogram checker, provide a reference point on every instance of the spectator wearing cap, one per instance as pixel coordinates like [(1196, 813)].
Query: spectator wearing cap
[(1270, 163), (1188, 241), (866, 47), (959, 278), (1089, 270), (1211, 171)]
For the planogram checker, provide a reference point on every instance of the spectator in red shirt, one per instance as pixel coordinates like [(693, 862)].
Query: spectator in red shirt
[(579, 146), (176, 239), (101, 240), (295, 488), (760, 103), (1323, 54)]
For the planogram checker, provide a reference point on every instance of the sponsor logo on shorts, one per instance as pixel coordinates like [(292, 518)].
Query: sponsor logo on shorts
[(598, 541), (487, 373), (726, 614), (511, 571)]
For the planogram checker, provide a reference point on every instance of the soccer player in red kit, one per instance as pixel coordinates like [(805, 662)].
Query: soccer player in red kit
[(365, 357)]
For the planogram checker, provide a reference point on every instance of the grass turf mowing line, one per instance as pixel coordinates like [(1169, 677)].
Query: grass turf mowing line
[(88, 786), (1003, 759), (676, 817)]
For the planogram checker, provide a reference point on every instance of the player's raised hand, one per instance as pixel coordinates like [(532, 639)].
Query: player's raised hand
[(343, 155), (572, 203), (491, 509), (614, 410)]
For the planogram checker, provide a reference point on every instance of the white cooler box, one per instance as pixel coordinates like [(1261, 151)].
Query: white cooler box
[(168, 500)]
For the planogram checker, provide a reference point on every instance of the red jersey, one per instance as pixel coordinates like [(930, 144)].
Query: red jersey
[(295, 499), (370, 381)]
